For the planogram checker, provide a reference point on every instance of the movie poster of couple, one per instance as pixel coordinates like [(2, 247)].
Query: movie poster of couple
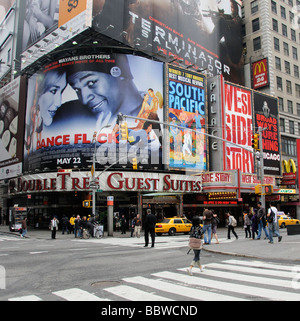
[(77, 96)]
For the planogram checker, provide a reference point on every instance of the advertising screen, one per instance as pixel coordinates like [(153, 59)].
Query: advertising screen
[(11, 130), (266, 116), (238, 129), (260, 74), (206, 33), (187, 109), (76, 100)]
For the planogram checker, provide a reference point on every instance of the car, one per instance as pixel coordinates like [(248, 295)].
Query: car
[(284, 220), (173, 225)]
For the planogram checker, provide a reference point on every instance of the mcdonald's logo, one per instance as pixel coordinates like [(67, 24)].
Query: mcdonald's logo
[(259, 67), (288, 166)]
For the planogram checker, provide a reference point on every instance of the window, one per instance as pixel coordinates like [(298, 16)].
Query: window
[(296, 71), (275, 25), (284, 30), (289, 146), (292, 126), (255, 25), (256, 44), (295, 53), (282, 125), (298, 109), (290, 107), (276, 44), (282, 12), (277, 63), (286, 49), (297, 87), (287, 67), (274, 7), (289, 87), (280, 103), (279, 83), (254, 6), (293, 35)]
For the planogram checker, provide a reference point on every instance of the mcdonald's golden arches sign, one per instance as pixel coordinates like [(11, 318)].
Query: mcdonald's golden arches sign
[(260, 73)]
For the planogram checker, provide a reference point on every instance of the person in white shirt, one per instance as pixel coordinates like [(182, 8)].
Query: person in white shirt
[(54, 227), (272, 223)]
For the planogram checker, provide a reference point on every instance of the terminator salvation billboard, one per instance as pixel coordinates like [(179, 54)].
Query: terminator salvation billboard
[(206, 33), (77, 96)]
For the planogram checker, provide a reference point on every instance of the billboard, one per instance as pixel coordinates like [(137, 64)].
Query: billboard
[(76, 96), (11, 129), (238, 128), (186, 94), (207, 33), (260, 74), (266, 116), (47, 24)]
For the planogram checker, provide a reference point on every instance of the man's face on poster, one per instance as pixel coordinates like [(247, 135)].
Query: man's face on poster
[(99, 91)]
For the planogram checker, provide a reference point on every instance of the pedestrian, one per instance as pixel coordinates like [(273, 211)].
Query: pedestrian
[(261, 218), (195, 243), (90, 224), (207, 217), (214, 223), (24, 227), (150, 222), (247, 224), (273, 224), (132, 225), (254, 223), (54, 227), (83, 227), (137, 226), (123, 224), (77, 229), (231, 225), (72, 224), (64, 224)]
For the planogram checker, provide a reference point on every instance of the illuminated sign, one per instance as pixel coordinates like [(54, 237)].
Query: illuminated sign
[(289, 166), (260, 74)]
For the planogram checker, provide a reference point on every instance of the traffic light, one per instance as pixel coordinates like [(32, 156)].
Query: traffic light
[(87, 204), (255, 141), (268, 189), (124, 131), (258, 189), (134, 163)]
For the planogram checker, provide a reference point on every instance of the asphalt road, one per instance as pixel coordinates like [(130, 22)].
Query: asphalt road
[(121, 269)]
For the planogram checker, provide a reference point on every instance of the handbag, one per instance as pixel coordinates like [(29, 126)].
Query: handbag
[(195, 243)]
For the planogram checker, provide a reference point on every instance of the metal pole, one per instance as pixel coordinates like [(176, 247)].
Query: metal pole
[(261, 167)]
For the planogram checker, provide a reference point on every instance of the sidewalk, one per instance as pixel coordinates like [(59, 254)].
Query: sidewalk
[(287, 250)]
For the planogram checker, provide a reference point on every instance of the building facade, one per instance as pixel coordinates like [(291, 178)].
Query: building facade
[(174, 70)]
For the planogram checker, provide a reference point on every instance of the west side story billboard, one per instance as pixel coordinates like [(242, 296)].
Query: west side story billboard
[(186, 97), (235, 114), (74, 97), (207, 33)]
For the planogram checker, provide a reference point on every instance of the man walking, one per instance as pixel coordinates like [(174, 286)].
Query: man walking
[(272, 223), (207, 217), (54, 227), (150, 222), (261, 218)]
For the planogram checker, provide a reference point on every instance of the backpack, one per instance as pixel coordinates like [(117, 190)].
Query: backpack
[(270, 218), (234, 222)]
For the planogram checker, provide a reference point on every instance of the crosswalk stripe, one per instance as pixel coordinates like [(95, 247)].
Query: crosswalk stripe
[(257, 271), (231, 287), (77, 295), (26, 298), (181, 290), (242, 277), (133, 294), (259, 264)]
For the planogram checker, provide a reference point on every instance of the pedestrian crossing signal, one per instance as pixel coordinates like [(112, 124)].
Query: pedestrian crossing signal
[(268, 189), (87, 204)]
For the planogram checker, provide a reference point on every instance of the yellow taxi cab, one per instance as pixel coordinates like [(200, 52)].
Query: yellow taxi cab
[(284, 220), (173, 225)]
